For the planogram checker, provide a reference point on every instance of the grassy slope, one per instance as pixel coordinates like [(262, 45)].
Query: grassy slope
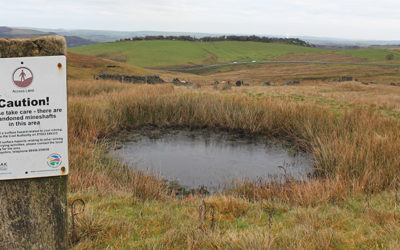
[(84, 67), (179, 53)]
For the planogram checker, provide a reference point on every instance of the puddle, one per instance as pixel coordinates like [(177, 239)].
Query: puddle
[(211, 160)]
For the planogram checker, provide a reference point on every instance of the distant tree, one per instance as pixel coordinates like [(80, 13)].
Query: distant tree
[(389, 57)]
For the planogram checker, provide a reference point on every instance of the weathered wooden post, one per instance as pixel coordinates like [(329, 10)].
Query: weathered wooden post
[(33, 144)]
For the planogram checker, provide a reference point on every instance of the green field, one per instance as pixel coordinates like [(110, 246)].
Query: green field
[(167, 54), (372, 54), (183, 53)]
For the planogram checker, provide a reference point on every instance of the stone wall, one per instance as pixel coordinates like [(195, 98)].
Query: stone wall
[(151, 79)]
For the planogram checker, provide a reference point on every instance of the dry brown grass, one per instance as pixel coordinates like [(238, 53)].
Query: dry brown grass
[(84, 67), (354, 150), (322, 57), (281, 72)]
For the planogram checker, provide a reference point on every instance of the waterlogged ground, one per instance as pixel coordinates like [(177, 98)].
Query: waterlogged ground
[(211, 160)]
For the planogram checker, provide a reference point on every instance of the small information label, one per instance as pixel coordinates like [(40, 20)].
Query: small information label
[(33, 117)]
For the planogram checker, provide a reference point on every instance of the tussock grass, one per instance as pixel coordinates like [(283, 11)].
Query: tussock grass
[(356, 149), (356, 154)]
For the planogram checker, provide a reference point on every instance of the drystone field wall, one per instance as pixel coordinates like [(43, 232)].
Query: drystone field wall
[(152, 79)]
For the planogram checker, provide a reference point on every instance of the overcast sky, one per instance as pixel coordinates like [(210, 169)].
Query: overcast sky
[(354, 19)]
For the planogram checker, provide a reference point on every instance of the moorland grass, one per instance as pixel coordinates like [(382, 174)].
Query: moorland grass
[(350, 202)]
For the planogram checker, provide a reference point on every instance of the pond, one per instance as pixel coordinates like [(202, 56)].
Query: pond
[(212, 160)]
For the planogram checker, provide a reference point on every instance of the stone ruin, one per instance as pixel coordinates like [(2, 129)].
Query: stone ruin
[(151, 79)]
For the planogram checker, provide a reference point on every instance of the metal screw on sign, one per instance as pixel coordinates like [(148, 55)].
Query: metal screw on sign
[(74, 236)]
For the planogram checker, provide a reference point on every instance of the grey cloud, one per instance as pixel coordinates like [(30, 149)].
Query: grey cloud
[(369, 19)]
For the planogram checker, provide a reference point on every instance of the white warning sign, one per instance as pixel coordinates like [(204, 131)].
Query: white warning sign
[(33, 117)]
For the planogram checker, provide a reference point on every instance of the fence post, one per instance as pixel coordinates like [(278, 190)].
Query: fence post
[(33, 212)]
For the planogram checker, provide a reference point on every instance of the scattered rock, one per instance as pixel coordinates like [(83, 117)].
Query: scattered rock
[(394, 84), (178, 82), (266, 84)]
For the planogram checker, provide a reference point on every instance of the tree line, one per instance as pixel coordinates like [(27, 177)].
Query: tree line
[(263, 39)]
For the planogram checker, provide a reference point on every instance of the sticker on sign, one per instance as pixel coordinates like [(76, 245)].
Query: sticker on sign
[(33, 117)]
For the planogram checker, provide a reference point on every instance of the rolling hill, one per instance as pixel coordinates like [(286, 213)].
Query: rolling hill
[(72, 41), (170, 54), (159, 54)]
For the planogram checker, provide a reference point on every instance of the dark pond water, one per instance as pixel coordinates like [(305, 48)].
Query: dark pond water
[(212, 160)]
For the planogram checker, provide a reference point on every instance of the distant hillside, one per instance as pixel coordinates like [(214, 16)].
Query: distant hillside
[(165, 54), (72, 41), (76, 41), (7, 32), (110, 36), (102, 36)]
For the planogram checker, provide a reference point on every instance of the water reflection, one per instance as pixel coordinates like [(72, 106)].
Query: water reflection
[(210, 159)]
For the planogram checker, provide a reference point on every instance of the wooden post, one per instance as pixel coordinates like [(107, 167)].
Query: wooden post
[(33, 212)]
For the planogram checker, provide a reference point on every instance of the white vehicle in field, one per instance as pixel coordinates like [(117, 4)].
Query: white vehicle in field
[(253, 61)]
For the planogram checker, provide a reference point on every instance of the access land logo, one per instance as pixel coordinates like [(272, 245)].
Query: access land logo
[(3, 166), (22, 77), (54, 160)]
